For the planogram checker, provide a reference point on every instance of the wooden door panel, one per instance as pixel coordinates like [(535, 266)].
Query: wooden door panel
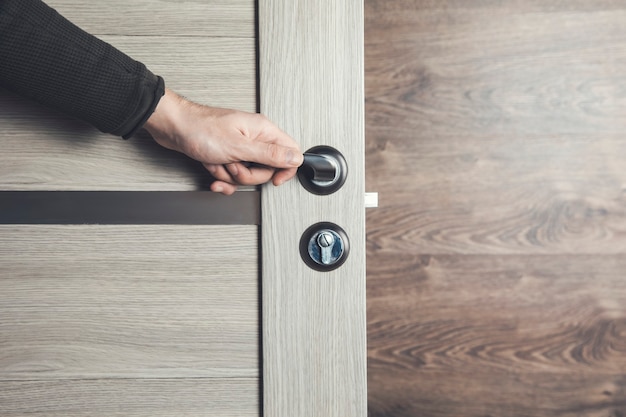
[(311, 84), (133, 320), (128, 302), (204, 18), (221, 397), (164, 320), (43, 150), (128, 318)]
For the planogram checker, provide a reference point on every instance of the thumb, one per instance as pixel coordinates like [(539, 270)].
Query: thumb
[(273, 155)]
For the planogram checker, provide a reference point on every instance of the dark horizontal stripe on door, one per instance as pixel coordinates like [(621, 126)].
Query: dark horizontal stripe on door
[(129, 207)]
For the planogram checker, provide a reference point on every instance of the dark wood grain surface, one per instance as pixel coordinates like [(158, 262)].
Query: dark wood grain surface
[(496, 137)]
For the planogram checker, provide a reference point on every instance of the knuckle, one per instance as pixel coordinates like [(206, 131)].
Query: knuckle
[(275, 152), (242, 178)]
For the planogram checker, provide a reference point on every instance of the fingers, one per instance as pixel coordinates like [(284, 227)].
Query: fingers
[(272, 154), (223, 182), (274, 148), (238, 173), (283, 175), (223, 187), (220, 173), (250, 175), (230, 176)]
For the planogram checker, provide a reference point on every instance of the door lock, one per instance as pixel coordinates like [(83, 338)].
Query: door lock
[(323, 171), (324, 246)]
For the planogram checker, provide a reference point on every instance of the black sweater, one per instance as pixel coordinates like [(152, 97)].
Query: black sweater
[(45, 57)]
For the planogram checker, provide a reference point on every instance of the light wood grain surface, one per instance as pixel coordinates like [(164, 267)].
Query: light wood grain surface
[(92, 302), (311, 72), (44, 150), (219, 18), (131, 320), (130, 397)]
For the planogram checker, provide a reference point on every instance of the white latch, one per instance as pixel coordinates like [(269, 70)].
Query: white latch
[(371, 200)]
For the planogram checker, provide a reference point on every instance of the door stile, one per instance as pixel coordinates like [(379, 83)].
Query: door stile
[(314, 325)]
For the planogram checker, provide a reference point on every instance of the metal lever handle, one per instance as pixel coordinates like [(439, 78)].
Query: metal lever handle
[(323, 171), (319, 167)]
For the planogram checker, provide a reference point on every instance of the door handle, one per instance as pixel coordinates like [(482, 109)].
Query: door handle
[(319, 168), (323, 171)]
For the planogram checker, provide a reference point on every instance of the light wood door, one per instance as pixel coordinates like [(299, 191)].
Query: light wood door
[(156, 299)]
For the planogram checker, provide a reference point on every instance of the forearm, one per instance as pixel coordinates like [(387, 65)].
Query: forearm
[(45, 57)]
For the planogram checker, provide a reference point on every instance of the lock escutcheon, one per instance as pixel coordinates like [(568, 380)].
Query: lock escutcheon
[(324, 246)]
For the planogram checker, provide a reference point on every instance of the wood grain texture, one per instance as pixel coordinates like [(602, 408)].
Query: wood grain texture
[(128, 302), (495, 263), (219, 18), (131, 320), (311, 80), (497, 335), (43, 150), (128, 397)]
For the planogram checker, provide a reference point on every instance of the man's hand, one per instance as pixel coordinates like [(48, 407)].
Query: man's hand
[(237, 148)]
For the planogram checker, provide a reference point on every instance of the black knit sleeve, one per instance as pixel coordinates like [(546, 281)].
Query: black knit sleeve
[(47, 58)]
